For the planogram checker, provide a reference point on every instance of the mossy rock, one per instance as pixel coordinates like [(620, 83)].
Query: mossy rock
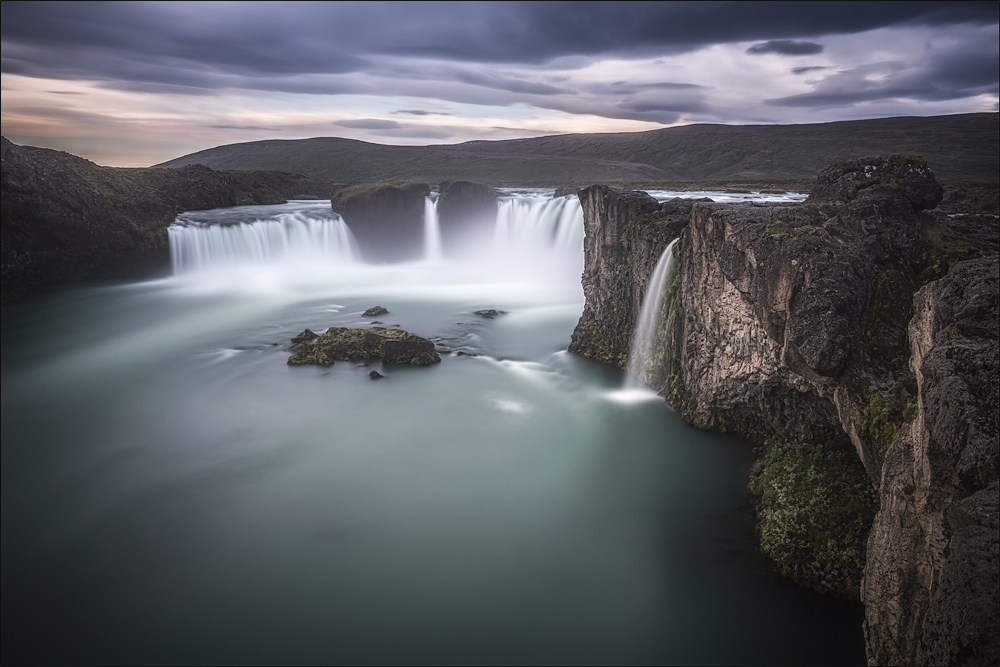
[(815, 507), (392, 346)]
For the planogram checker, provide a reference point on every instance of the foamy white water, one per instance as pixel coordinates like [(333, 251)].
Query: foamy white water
[(646, 326)]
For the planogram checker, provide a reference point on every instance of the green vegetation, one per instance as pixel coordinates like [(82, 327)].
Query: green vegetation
[(958, 148), (881, 422), (815, 506), (590, 340), (392, 346)]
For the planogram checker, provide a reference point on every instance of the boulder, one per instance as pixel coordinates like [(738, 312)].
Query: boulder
[(392, 346), (375, 311)]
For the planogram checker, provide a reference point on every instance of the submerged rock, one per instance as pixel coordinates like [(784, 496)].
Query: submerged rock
[(490, 313), (375, 375), (306, 335), (375, 311), (392, 346)]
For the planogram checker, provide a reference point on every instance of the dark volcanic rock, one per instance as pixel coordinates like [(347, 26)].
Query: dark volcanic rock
[(375, 311), (931, 582), (490, 313), (409, 350), (566, 191), (306, 335), (907, 175), (387, 219), (795, 327), (66, 219), (466, 211), (392, 346), (375, 375)]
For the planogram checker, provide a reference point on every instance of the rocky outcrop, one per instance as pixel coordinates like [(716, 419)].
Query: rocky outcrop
[(66, 219), (392, 346), (931, 580), (387, 219), (796, 324), (625, 232), (466, 211)]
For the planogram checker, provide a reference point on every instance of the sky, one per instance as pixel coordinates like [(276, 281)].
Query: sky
[(135, 84)]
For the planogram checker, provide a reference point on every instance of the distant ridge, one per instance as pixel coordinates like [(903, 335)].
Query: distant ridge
[(958, 147)]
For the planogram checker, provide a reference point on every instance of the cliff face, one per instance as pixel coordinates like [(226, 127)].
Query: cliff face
[(466, 211), (387, 219), (66, 219), (625, 232), (800, 328), (930, 586)]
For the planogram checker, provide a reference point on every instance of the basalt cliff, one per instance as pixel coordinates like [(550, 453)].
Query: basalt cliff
[(854, 338)]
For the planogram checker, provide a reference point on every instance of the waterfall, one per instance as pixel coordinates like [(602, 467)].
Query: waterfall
[(533, 232), (644, 337), (432, 231), (287, 236), (539, 226)]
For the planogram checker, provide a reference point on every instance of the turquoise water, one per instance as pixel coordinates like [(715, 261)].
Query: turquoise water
[(172, 491)]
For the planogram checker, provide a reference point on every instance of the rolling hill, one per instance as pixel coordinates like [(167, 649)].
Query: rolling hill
[(958, 148)]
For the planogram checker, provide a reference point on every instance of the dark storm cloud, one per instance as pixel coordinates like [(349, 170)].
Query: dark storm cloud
[(785, 47), (964, 70), (192, 44)]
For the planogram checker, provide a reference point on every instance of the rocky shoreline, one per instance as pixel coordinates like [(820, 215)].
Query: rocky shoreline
[(808, 328)]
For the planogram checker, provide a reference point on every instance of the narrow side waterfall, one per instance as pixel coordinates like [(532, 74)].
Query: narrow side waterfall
[(297, 236), (644, 339), (432, 231)]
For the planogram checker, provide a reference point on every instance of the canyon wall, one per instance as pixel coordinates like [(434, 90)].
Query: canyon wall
[(827, 328)]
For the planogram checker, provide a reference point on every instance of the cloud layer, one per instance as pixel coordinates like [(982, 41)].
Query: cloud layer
[(413, 72)]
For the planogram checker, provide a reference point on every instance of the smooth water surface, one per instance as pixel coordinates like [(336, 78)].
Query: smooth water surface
[(172, 491)]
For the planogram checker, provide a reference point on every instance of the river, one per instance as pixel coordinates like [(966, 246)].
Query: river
[(172, 491)]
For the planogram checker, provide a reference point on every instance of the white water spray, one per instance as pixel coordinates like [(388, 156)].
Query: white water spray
[(432, 231), (288, 237), (644, 337), (539, 226)]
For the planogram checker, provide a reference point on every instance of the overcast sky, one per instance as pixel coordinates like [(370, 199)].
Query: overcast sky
[(133, 84)]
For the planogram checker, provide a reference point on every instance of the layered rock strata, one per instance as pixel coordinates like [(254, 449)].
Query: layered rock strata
[(66, 219)]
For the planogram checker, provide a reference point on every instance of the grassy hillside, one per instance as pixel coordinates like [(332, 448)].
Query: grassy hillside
[(960, 147)]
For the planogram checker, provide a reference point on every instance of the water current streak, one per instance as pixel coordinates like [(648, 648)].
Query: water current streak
[(432, 231)]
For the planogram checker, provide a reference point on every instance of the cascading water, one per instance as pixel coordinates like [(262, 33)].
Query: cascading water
[(503, 496), (303, 235), (432, 231), (644, 339), (533, 224)]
